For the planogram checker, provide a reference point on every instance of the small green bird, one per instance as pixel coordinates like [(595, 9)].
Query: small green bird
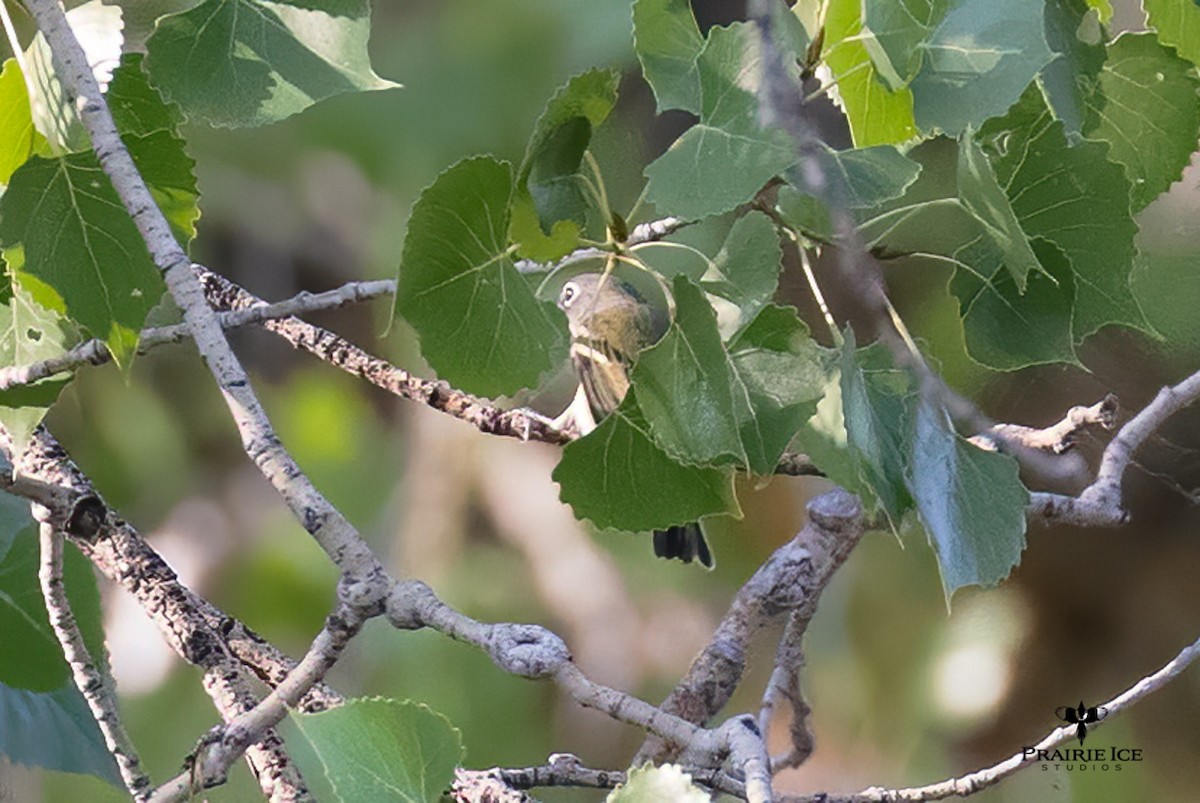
[(610, 323)]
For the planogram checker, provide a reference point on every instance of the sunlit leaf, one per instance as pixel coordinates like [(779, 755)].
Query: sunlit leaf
[(16, 124), (1178, 25), (98, 28), (877, 115), (650, 784), (29, 333)]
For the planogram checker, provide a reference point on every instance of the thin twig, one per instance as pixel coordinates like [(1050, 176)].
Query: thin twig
[(981, 779), (94, 352), (90, 677)]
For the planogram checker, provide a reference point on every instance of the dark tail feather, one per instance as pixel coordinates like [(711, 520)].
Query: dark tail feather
[(685, 541)]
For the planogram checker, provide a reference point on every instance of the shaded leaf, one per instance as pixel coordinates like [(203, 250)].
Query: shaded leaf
[(1075, 198), (746, 269), (781, 374), (377, 749), (481, 327), (83, 256), (976, 62), (617, 477), (668, 41), (982, 196), (876, 406), (685, 385), (970, 500), (44, 720), (1145, 107), (1076, 38), (1006, 329), (550, 203), (282, 57)]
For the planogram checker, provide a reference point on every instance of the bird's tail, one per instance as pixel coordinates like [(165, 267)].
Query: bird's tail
[(685, 542)]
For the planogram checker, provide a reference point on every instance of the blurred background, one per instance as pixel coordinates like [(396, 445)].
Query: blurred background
[(904, 691)]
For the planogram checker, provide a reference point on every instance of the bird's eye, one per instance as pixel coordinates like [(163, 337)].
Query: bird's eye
[(570, 289)]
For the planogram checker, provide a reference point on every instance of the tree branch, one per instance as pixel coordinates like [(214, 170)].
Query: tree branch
[(320, 519), (91, 678), (193, 627), (790, 581)]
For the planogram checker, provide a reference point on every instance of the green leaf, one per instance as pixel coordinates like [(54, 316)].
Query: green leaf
[(1006, 329), (976, 62), (708, 170), (877, 115), (83, 256), (858, 178), (895, 33), (650, 784), (29, 333), (282, 57), (684, 384), (376, 749), (876, 409), (1167, 285), (725, 159), (16, 124), (481, 327), (55, 730), (617, 477), (1178, 25), (98, 29), (709, 406), (981, 194), (1075, 198), (747, 266), (44, 720), (956, 214), (1103, 8), (1076, 38), (668, 43), (137, 107), (550, 205), (781, 374), (1145, 107), (970, 500)]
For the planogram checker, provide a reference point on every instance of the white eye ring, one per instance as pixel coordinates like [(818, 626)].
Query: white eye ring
[(569, 291)]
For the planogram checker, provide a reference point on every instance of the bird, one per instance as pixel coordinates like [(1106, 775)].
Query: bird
[(610, 322)]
